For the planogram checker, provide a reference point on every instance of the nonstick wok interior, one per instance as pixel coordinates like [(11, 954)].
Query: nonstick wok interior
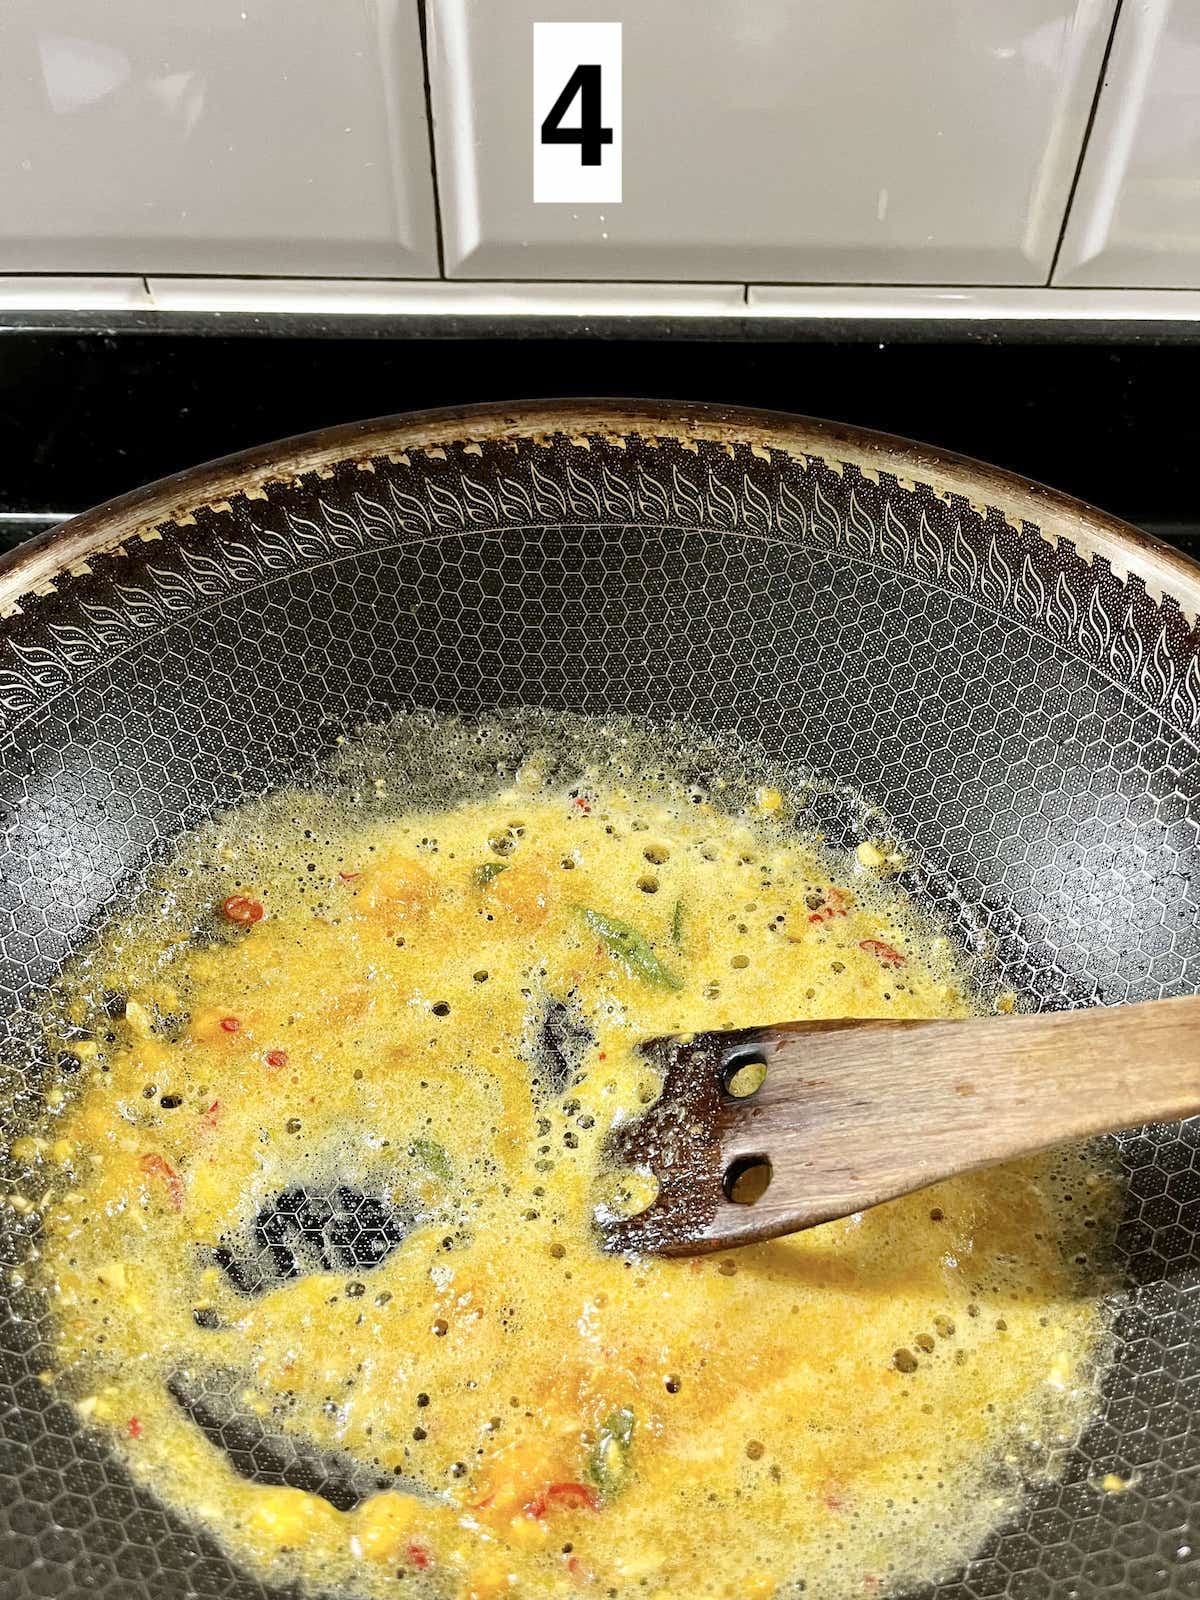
[(1014, 680)]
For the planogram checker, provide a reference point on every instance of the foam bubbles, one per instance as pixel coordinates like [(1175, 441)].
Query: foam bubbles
[(360, 1217)]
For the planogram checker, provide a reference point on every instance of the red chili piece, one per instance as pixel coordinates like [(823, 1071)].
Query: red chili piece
[(211, 1117), (563, 1497), (277, 1059), (885, 953), (581, 803), (135, 1427), (156, 1166), (240, 908), (419, 1556), (347, 877), (835, 905), (231, 1024)]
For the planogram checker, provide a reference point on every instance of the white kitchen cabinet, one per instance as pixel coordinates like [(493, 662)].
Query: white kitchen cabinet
[(214, 136), (870, 141), (1135, 218)]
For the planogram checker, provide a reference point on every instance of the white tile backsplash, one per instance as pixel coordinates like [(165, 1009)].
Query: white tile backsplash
[(901, 141), (339, 297), (1135, 218), (54, 293), (791, 145), (210, 136)]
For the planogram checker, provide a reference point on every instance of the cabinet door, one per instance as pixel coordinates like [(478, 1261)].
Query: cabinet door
[(1135, 218), (224, 136), (880, 141)]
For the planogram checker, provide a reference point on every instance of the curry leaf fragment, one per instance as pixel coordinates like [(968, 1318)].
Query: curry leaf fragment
[(631, 950), (610, 1458)]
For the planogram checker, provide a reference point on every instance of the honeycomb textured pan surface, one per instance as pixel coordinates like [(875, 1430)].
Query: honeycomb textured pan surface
[(1026, 715)]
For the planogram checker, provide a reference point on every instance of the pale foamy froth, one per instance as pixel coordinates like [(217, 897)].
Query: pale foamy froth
[(323, 1178)]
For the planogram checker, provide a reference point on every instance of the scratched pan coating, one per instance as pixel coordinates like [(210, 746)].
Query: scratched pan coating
[(1012, 676)]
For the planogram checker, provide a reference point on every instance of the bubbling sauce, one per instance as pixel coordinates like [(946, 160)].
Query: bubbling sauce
[(318, 1197)]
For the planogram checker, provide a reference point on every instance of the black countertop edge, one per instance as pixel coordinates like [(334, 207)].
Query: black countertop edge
[(750, 329), (88, 415)]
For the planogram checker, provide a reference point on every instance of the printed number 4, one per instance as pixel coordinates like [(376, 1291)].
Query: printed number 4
[(589, 135)]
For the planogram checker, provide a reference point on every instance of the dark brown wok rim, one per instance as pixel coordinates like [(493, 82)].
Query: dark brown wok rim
[(35, 566)]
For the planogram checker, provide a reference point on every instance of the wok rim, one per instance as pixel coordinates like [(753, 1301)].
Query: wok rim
[(114, 529), (33, 567)]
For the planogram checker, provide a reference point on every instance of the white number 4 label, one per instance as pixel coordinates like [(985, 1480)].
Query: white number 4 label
[(577, 112)]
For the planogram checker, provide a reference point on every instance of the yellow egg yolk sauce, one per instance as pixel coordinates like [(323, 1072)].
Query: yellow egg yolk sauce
[(326, 1177)]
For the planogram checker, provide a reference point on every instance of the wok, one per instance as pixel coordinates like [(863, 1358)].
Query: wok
[(1013, 677)]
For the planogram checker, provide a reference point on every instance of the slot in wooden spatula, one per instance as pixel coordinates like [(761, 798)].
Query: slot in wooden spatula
[(770, 1130)]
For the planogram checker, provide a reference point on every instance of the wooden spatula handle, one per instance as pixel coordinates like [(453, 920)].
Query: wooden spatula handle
[(852, 1114)]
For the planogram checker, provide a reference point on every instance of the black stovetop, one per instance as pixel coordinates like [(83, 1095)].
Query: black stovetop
[(87, 415)]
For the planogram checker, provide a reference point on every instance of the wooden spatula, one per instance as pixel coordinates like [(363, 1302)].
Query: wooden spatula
[(771, 1130)]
